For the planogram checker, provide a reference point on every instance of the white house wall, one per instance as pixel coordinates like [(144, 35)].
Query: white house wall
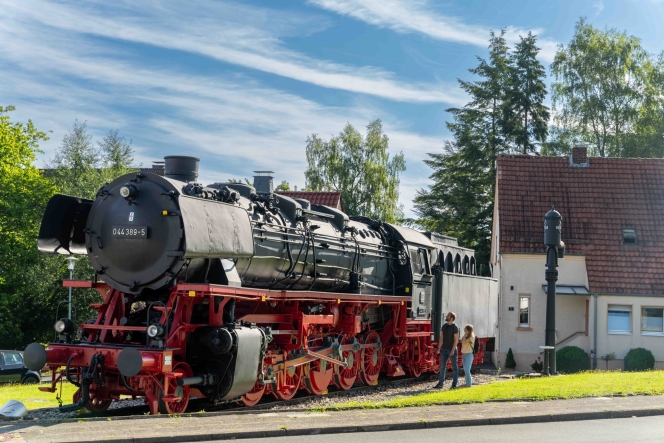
[(524, 274), (620, 343)]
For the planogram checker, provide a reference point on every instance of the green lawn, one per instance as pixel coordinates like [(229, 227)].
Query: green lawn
[(32, 397), (587, 384)]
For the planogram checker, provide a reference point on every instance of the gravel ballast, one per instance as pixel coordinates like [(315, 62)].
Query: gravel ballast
[(389, 390)]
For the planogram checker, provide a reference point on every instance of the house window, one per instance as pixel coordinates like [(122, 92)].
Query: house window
[(620, 319), (524, 311), (652, 321), (629, 236)]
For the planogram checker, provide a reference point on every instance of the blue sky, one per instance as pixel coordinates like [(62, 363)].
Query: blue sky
[(242, 84)]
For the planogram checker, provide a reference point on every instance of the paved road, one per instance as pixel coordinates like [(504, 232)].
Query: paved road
[(632, 430)]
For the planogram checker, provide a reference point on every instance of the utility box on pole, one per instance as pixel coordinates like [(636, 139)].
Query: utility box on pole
[(555, 249)]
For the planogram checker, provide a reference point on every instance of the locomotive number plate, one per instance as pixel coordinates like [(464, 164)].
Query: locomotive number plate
[(130, 232)]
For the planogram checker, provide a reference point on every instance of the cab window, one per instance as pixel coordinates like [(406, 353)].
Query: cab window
[(419, 261), (415, 261)]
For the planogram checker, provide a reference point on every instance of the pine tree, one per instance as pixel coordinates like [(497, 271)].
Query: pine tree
[(510, 363), (460, 202), (526, 115)]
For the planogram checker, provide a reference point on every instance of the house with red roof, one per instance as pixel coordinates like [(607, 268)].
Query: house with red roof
[(331, 199), (610, 291)]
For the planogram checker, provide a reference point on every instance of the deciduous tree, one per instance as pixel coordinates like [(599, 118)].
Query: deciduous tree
[(360, 168), (283, 186), (24, 192), (603, 81)]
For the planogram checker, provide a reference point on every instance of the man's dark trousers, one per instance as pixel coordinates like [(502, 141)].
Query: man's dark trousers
[(446, 354)]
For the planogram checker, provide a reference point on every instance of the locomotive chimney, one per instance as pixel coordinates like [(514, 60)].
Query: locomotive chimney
[(181, 167), (263, 181)]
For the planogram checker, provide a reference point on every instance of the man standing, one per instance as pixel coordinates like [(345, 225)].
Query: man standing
[(448, 350)]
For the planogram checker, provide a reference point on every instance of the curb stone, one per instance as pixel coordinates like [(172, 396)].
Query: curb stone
[(413, 425)]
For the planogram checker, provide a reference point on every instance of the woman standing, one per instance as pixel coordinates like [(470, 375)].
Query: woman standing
[(467, 346)]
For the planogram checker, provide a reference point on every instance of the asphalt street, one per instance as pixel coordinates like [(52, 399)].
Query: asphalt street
[(632, 430)]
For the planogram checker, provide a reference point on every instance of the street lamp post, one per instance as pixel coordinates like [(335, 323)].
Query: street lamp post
[(555, 249), (71, 263)]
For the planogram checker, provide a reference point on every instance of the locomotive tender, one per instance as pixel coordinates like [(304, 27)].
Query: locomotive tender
[(229, 293)]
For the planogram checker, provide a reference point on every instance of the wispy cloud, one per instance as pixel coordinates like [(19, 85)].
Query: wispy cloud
[(416, 16), (211, 29), (234, 123), (599, 7)]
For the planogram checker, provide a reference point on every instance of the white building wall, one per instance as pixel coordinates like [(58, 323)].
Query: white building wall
[(621, 343), (524, 274)]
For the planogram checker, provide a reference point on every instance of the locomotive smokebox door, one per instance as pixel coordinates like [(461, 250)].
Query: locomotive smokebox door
[(552, 228)]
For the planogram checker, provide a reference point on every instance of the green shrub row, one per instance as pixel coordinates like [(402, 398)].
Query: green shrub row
[(572, 359)]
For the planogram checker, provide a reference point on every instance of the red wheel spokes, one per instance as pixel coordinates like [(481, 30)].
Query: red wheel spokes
[(95, 403), (179, 405), (252, 397), (345, 378), (371, 359), (317, 376), (288, 382)]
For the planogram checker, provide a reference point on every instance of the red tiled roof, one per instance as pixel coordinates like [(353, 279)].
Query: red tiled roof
[(331, 199), (595, 203)]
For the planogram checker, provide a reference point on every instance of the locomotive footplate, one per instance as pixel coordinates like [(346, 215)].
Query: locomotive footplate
[(265, 295)]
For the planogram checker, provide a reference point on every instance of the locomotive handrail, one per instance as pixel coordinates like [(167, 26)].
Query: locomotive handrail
[(87, 326)]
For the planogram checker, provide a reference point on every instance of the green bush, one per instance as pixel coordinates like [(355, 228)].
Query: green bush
[(571, 359), (510, 363), (639, 359)]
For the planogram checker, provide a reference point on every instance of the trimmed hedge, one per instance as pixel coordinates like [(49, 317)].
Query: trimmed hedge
[(639, 359), (572, 359)]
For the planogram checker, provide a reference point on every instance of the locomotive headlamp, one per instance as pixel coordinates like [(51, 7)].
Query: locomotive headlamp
[(155, 330), (128, 191), (63, 326)]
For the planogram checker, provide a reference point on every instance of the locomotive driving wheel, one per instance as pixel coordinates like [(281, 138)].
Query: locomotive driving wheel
[(371, 360), (97, 402), (434, 355), (176, 398), (288, 382), (414, 369), (252, 397), (317, 376), (345, 378)]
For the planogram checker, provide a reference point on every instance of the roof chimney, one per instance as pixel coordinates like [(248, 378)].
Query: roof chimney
[(579, 157), (263, 181)]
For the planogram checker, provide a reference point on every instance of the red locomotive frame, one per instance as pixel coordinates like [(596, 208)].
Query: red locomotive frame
[(296, 358)]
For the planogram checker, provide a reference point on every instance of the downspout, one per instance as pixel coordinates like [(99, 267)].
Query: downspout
[(595, 333), (500, 309)]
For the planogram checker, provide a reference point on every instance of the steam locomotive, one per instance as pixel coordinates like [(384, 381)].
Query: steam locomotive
[(228, 292)]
